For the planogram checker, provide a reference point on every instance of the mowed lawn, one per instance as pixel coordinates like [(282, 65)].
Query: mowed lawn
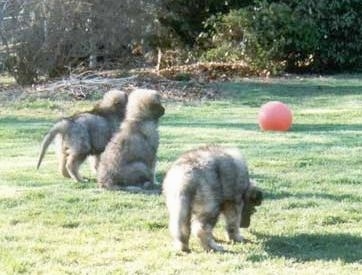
[(309, 223)]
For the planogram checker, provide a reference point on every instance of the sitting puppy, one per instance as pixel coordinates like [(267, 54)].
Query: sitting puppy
[(129, 158), (85, 134), (201, 185)]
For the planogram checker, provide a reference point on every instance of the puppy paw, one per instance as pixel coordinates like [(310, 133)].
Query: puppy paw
[(217, 248), (213, 246), (237, 239), (181, 247)]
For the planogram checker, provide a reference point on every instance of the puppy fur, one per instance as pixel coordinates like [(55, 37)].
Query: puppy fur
[(85, 134), (201, 185), (130, 157)]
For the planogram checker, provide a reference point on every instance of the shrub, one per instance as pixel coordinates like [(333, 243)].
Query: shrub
[(270, 36), (293, 35), (185, 18), (339, 26), (47, 38)]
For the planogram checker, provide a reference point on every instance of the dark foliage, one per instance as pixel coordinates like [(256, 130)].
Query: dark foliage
[(292, 35), (186, 18)]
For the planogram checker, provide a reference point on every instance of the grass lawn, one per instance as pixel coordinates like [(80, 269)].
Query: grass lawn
[(310, 222)]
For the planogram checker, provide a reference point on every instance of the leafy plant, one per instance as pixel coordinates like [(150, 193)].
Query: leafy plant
[(185, 18), (291, 35)]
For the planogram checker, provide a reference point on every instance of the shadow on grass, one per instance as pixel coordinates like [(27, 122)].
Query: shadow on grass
[(313, 247), (296, 127), (217, 125), (325, 127), (91, 183), (175, 121), (24, 126), (13, 120), (255, 93), (308, 195), (274, 193)]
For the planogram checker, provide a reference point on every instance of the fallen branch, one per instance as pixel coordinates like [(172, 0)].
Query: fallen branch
[(89, 82), (84, 85)]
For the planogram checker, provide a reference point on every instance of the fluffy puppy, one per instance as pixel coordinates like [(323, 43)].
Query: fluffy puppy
[(85, 134), (201, 185), (129, 158)]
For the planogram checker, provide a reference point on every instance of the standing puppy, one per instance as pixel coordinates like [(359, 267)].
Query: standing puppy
[(130, 157), (201, 185), (85, 134)]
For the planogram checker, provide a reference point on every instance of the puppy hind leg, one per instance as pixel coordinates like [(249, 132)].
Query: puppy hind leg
[(94, 163), (203, 230), (61, 156), (72, 165), (180, 222), (62, 165)]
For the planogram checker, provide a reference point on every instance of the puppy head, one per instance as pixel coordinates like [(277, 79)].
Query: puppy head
[(253, 197), (144, 104), (114, 100)]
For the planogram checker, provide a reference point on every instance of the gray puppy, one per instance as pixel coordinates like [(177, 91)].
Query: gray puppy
[(85, 134), (130, 157), (201, 185)]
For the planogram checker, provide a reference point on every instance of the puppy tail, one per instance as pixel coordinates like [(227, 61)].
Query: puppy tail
[(58, 128), (180, 218)]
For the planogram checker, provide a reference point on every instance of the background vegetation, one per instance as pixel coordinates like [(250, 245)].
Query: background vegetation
[(310, 222), (295, 36), (50, 38)]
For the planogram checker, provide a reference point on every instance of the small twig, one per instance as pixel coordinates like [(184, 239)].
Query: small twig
[(159, 58)]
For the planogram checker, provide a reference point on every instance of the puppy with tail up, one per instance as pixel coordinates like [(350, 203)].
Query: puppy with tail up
[(85, 134)]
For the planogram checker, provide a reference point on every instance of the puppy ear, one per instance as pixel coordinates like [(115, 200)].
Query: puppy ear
[(157, 110), (255, 196)]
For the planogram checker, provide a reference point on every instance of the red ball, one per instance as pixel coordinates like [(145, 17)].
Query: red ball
[(275, 116)]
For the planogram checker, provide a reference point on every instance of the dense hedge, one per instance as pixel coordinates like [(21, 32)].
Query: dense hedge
[(339, 25), (48, 38), (186, 18), (309, 35)]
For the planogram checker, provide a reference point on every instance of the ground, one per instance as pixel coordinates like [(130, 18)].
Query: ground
[(309, 223)]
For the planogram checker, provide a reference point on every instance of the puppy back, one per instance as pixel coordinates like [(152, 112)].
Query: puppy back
[(226, 164)]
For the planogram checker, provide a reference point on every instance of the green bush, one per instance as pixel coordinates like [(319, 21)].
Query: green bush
[(268, 37), (45, 39), (339, 26), (185, 18), (291, 35)]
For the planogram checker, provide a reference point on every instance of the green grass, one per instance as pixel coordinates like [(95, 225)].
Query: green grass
[(309, 223)]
